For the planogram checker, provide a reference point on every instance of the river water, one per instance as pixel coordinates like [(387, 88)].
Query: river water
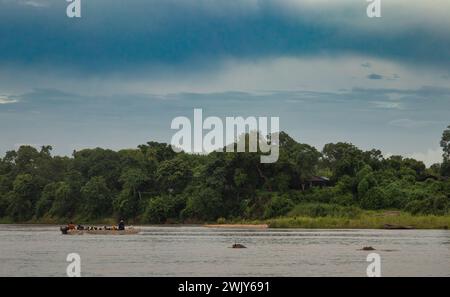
[(200, 251)]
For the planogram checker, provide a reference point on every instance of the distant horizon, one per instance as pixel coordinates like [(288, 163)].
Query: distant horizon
[(55, 151)]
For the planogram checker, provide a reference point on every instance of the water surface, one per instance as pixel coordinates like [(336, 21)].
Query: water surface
[(200, 251)]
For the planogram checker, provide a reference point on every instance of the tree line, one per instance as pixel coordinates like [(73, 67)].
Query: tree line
[(153, 184)]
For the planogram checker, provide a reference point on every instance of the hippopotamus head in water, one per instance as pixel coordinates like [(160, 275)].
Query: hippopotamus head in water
[(367, 248)]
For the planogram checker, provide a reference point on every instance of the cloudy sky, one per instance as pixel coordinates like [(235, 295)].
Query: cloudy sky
[(117, 76)]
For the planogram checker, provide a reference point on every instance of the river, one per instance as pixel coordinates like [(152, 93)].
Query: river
[(198, 251)]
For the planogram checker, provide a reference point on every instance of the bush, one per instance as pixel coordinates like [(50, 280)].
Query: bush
[(445, 168), (65, 201), (45, 202), (334, 195), (324, 195), (97, 198), (156, 211), (343, 199), (278, 206), (221, 221), (125, 204), (3, 205), (430, 206), (162, 208), (324, 210), (395, 196), (374, 199), (206, 204)]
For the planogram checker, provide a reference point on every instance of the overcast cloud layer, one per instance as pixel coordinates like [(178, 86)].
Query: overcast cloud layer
[(117, 76)]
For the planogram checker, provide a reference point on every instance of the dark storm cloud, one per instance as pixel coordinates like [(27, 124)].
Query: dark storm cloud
[(127, 35)]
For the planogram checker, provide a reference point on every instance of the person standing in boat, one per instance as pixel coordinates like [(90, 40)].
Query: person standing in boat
[(121, 225)]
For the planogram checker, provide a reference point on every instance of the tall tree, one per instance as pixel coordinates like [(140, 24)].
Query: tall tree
[(343, 159), (97, 200), (65, 202), (23, 197), (305, 159), (173, 175), (445, 144)]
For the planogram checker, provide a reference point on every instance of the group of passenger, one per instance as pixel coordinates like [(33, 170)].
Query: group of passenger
[(120, 226)]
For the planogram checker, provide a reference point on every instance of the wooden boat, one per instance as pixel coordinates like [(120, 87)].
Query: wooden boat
[(127, 231), (397, 227)]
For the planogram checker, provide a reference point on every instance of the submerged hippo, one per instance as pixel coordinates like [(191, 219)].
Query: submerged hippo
[(238, 246), (367, 248)]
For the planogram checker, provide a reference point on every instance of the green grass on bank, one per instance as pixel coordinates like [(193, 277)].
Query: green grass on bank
[(364, 221), (304, 215), (332, 216)]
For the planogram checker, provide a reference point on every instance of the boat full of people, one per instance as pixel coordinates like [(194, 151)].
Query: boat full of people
[(120, 229)]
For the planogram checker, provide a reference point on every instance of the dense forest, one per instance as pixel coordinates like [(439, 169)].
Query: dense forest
[(153, 184)]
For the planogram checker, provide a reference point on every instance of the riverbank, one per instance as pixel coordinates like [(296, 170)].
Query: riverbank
[(366, 220)]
